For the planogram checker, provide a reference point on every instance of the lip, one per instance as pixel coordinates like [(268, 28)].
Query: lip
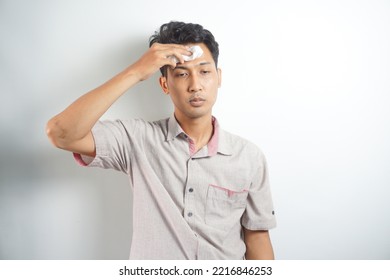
[(197, 102)]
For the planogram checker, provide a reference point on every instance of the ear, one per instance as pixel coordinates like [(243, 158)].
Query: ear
[(219, 72), (164, 84)]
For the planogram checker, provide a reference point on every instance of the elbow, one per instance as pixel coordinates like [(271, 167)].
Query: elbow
[(55, 133)]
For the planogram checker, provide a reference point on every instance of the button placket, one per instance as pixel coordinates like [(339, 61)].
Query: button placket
[(189, 202)]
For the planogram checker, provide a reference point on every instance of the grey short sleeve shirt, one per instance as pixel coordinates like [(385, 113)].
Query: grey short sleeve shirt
[(186, 204)]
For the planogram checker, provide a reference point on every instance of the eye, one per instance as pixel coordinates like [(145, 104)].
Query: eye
[(205, 72), (181, 74)]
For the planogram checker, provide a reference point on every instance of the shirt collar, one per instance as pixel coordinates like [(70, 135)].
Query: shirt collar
[(174, 129), (218, 143)]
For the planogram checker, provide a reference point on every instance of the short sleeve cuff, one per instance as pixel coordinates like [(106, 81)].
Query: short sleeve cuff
[(101, 150), (254, 225), (83, 160)]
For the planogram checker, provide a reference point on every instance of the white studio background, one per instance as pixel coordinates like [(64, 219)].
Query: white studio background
[(307, 81)]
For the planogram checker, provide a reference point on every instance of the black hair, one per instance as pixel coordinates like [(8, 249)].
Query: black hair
[(176, 32)]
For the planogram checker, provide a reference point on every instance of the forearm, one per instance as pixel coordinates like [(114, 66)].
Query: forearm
[(264, 252), (258, 245), (77, 120)]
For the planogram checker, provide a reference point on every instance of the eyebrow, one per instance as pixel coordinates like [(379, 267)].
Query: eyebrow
[(185, 68)]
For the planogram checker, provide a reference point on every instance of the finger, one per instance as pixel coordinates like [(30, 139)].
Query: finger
[(171, 54), (167, 47), (175, 46), (180, 55), (175, 57), (171, 62), (174, 49)]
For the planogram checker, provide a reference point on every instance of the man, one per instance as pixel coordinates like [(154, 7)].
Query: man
[(199, 191)]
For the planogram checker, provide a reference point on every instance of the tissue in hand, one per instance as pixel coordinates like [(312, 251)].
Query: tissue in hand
[(196, 52)]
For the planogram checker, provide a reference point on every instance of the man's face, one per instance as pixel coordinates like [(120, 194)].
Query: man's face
[(193, 85)]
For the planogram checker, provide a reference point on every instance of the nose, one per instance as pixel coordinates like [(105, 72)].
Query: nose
[(195, 84)]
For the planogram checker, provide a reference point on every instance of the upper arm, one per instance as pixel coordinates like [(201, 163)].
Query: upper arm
[(259, 213), (84, 146)]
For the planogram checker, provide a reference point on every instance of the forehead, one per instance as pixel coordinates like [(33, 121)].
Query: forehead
[(187, 66), (205, 49), (205, 59)]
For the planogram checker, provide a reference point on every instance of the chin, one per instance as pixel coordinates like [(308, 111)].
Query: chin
[(196, 115)]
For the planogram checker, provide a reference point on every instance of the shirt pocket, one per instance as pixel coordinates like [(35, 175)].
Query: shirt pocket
[(224, 206)]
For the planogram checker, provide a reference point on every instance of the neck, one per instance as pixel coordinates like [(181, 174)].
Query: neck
[(199, 129)]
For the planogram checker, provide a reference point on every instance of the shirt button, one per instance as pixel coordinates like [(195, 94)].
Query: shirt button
[(189, 214), (191, 190)]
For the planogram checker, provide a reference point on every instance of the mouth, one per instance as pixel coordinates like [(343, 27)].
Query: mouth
[(197, 101)]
